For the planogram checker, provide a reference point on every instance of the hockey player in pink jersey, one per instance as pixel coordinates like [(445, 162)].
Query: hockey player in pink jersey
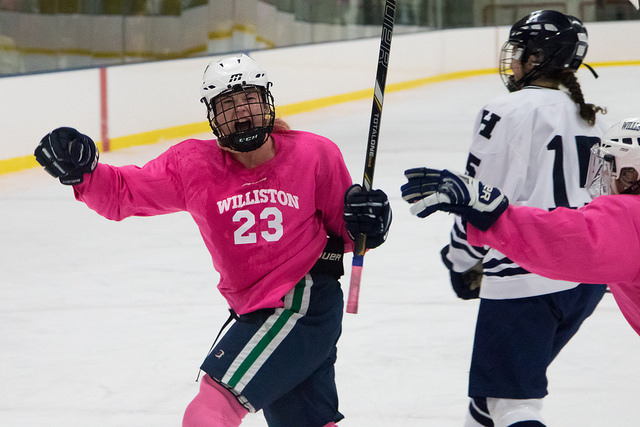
[(599, 242), (276, 209)]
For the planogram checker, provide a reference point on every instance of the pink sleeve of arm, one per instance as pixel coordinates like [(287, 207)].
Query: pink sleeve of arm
[(119, 192), (576, 245), (330, 194)]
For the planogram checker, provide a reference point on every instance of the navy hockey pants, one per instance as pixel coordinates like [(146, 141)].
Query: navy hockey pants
[(282, 360)]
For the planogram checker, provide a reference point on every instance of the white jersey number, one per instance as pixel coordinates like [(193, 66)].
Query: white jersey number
[(247, 220)]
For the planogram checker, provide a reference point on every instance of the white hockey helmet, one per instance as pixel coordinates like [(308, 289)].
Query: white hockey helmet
[(227, 78), (614, 165), (225, 73)]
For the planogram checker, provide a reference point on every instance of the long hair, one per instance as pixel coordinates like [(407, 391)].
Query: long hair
[(279, 125), (587, 111)]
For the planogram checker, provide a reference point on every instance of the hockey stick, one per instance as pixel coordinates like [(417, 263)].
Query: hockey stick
[(372, 147)]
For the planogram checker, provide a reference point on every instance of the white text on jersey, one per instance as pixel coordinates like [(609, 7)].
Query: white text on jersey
[(265, 195)]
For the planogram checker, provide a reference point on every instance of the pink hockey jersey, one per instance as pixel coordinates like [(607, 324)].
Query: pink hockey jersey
[(264, 227), (598, 243)]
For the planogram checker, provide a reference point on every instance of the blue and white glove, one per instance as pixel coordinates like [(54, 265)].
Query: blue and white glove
[(431, 190)]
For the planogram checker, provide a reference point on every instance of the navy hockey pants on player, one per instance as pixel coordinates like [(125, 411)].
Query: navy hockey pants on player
[(282, 360), (517, 339)]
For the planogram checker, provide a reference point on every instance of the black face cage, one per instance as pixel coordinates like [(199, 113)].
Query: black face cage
[(509, 52), (241, 121)]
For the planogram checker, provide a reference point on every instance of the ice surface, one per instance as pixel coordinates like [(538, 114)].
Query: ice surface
[(105, 323)]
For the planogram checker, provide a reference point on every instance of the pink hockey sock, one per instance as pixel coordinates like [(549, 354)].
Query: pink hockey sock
[(213, 406), (331, 424)]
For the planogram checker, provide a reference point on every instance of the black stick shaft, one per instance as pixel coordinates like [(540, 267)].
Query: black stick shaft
[(372, 145)]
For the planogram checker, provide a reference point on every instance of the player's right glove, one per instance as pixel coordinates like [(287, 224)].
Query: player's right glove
[(431, 190), (67, 154), (467, 284), (369, 213)]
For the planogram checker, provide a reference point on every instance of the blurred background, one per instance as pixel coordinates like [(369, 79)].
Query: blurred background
[(112, 336), (47, 35)]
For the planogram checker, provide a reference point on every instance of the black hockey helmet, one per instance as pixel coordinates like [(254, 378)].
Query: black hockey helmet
[(559, 41)]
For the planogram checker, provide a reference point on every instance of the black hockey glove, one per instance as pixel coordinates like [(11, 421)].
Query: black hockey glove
[(67, 154), (431, 190), (467, 284), (368, 213)]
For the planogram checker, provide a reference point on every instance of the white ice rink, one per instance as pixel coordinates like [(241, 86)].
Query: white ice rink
[(105, 323)]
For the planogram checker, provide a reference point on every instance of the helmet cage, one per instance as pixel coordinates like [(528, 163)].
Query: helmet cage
[(240, 107), (510, 52), (601, 172), (614, 165), (242, 117)]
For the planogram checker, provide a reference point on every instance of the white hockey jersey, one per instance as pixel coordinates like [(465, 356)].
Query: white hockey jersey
[(534, 146)]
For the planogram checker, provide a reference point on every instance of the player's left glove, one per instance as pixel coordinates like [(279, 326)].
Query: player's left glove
[(368, 213), (467, 284), (431, 190), (67, 154)]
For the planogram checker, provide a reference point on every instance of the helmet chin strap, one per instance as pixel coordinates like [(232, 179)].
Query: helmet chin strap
[(530, 76), (515, 85), (243, 142), (595, 75), (633, 189)]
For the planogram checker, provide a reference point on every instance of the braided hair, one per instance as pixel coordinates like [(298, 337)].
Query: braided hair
[(587, 111)]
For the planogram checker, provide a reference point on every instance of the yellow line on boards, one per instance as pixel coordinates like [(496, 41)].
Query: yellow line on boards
[(175, 132)]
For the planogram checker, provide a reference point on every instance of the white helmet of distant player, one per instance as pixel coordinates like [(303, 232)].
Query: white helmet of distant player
[(240, 106), (614, 166)]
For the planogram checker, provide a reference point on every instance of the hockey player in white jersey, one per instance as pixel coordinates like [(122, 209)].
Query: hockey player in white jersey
[(534, 144)]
